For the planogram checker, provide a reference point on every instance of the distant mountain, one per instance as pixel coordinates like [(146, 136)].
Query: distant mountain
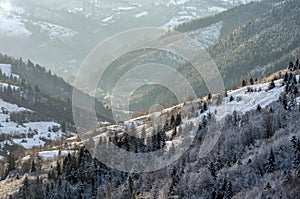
[(254, 40), (59, 34), (231, 19)]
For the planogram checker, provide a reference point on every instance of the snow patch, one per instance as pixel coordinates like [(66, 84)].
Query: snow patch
[(11, 107), (55, 31), (107, 19), (176, 20), (6, 69), (176, 3), (216, 9), (145, 13), (28, 134), (5, 85), (124, 8), (52, 155)]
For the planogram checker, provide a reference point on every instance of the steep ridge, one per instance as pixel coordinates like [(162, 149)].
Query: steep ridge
[(231, 18), (258, 43)]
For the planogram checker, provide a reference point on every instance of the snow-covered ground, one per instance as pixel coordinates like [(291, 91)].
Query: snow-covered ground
[(216, 9), (107, 19), (243, 102), (52, 155), (55, 31), (248, 101), (5, 85), (6, 69), (28, 134), (10, 108), (145, 13), (32, 133)]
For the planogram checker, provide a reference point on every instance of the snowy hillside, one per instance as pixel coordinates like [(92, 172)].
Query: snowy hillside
[(28, 134), (6, 69), (242, 100), (256, 153)]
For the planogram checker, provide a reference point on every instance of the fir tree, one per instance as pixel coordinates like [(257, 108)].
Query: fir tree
[(33, 168), (209, 96), (244, 83), (258, 108), (172, 122), (270, 166), (251, 81), (205, 106), (212, 169), (178, 119)]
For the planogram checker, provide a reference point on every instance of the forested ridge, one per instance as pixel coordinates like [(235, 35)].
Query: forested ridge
[(45, 93), (257, 156)]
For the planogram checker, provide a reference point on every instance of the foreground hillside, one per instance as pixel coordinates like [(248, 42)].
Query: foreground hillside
[(256, 156)]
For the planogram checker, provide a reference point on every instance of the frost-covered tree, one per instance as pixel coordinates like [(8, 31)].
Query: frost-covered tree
[(212, 169), (270, 165), (228, 191)]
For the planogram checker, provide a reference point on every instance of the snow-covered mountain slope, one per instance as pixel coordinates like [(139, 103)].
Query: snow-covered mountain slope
[(241, 100), (6, 69), (246, 100), (241, 156), (27, 134)]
